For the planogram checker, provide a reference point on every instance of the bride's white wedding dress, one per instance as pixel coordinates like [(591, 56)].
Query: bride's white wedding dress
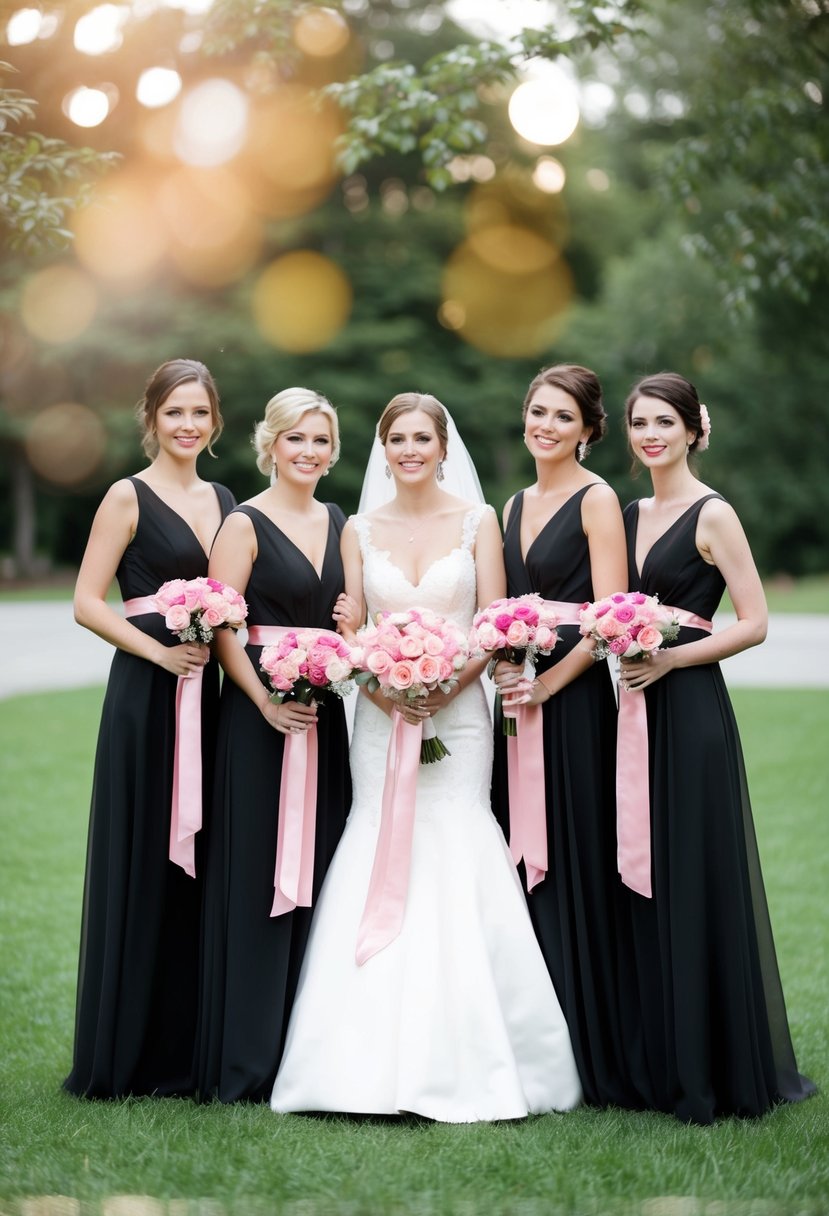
[(456, 1019)]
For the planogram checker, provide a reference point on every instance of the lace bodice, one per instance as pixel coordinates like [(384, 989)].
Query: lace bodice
[(448, 587)]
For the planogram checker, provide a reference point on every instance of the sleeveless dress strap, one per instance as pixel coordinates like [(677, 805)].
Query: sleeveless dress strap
[(471, 523), (363, 529)]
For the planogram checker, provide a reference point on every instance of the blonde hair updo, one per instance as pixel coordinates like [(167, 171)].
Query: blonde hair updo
[(282, 413)]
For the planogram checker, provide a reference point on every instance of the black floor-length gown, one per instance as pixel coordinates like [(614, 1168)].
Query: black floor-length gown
[(251, 959), (575, 908), (706, 1019), (138, 981)]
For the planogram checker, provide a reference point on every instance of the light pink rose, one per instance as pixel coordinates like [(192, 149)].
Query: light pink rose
[(518, 634), (649, 638), (608, 627), (215, 616), (411, 647), (378, 662), (427, 669), (338, 669), (448, 668), (545, 638), (432, 644), (489, 637), (177, 618), (400, 675)]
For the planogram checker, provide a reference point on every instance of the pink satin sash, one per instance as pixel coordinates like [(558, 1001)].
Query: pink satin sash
[(293, 878), (525, 773), (633, 814), (186, 803), (388, 886)]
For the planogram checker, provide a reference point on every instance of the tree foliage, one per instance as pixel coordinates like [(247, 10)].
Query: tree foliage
[(42, 179)]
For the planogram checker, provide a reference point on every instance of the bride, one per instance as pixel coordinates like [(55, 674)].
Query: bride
[(455, 1017)]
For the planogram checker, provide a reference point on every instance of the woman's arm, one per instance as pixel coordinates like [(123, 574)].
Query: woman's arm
[(231, 561), (722, 542), (112, 531)]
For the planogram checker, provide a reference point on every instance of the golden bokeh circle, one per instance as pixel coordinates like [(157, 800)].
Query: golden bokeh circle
[(65, 443), (301, 301), (58, 303)]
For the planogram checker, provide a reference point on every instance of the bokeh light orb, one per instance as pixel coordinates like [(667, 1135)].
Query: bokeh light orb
[(292, 145), (212, 123), (99, 31), (120, 237), (214, 234), (157, 87), (65, 443), (23, 26), (545, 110), (86, 107), (549, 175), (321, 32), (301, 301), (509, 307), (58, 304)]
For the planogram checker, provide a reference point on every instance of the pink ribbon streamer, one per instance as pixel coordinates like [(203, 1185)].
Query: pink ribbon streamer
[(186, 802), (633, 811), (527, 801), (525, 771), (388, 886), (293, 878)]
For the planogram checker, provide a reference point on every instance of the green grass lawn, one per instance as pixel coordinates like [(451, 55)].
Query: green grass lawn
[(64, 1157)]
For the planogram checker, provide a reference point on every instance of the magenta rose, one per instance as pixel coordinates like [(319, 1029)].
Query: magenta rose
[(625, 612)]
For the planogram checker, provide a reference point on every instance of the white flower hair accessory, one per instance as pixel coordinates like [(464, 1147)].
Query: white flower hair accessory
[(705, 427)]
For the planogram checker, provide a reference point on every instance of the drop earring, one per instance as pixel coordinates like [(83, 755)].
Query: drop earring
[(388, 471), (439, 475), (582, 450)]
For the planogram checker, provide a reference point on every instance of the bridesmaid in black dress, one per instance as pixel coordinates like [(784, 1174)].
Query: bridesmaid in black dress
[(138, 982), (563, 539), (281, 551), (707, 1026)]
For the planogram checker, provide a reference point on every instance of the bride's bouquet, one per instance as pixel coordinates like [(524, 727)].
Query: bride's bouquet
[(628, 624), (516, 629), (195, 608), (409, 654), (308, 664)]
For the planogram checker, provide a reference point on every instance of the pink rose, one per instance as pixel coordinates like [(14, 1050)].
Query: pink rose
[(503, 621), (518, 634), (545, 639), (619, 646), (427, 669), (525, 612), (602, 608), (625, 613), (649, 638), (637, 597), (338, 669), (400, 675), (411, 647), (432, 644), (378, 662), (177, 618), (214, 618), (608, 627), (618, 597), (489, 637)]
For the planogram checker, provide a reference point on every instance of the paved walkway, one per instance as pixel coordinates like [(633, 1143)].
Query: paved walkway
[(44, 649)]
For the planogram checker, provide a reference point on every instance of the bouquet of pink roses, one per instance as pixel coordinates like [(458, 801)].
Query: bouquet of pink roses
[(194, 608), (628, 624), (515, 629), (308, 663), (409, 654)]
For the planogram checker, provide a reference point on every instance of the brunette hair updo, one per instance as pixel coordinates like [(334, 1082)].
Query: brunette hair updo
[(675, 390), (159, 386), (406, 403), (582, 385)]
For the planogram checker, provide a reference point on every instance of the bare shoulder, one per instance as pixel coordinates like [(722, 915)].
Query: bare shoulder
[(121, 494), (237, 524), (717, 516), (600, 496)]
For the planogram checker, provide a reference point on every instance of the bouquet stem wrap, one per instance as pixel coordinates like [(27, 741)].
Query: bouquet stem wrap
[(388, 886), (633, 815), (186, 803), (293, 878), (525, 769)]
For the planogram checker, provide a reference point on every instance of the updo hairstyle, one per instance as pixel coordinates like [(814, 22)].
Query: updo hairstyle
[(282, 413), (406, 403), (159, 386), (676, 391), (583, 386)]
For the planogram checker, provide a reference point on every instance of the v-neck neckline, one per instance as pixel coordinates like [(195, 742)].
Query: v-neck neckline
[(525, 557), (187, 525), (640, 570), (319, 573)]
